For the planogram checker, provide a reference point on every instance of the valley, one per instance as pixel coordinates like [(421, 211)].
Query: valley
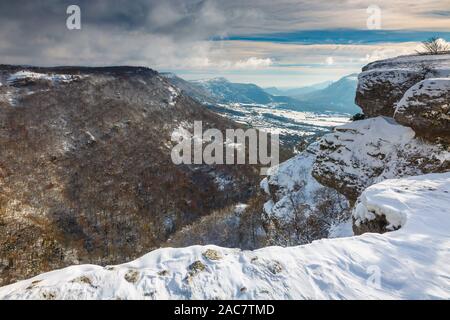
[(298, 119), (105, 192)]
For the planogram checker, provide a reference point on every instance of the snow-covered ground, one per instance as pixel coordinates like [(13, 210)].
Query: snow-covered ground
[(11, 93), (411, 263), (174, 93), (295, 186), (291, 125), (54, 78)]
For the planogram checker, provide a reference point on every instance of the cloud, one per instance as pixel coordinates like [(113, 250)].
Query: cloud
[(253, 63), (175, 34), (439, 13)]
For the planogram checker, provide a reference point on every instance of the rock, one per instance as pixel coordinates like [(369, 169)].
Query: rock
[(212, 255), (196, 267), (163, 273), (275, 267), (296, 199), (132, 276), (382, 84), (48, 295), (425, 108), (377, 225), (364, 152), (84, 280)]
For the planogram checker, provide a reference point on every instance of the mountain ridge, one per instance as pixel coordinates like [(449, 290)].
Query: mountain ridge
[(292, 92), (85, 170), (337, 97)]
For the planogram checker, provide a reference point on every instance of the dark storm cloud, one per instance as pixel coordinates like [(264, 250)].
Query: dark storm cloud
[(166, 17), (35, 31), (175, 33)]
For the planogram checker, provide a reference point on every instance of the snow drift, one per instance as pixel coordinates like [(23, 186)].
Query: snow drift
[(410, 263)]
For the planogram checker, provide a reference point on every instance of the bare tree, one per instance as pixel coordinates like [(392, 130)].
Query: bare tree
[(434, 46)]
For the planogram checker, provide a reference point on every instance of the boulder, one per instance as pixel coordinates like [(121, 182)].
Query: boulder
[(425, 108), (365, 152), (382, 84)]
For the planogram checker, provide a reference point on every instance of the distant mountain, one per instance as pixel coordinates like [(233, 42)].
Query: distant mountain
[(338, 96), (190, 89), (297, 91), (224, 91), (274, 91)]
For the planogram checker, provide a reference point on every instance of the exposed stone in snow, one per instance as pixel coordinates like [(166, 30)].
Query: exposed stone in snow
[(294, 196), (22, 76), (364, 152), (394, 200), (425, 107), (382, 84)]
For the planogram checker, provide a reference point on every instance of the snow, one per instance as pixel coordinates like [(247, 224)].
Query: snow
[(395, 77), (419, 205), (54, 78), (264, 185), (295, 195), (173, 95), (341, 230), (408, 61), (182, 133), (410, 263), (435, 88), (282, 121), (293, 127), (365, 152), (398, 71), (295, 185), (240, 208), (11, 98), (13, 94), (223, 182)]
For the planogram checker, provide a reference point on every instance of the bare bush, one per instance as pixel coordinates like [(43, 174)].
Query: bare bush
[(434, 45)]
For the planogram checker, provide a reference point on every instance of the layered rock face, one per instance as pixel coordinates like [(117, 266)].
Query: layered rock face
[(425, 107), (365, 152), (299, 209), (405, 102), (85, 168), (382, 84), (406, 98)]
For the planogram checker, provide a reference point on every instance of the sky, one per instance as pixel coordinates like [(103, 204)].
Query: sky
[(282, 43)]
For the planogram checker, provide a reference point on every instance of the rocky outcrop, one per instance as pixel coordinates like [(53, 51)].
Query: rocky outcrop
[(415, 92), (382, 84), (405, 98), (425, 107), (365, 152), (86, 174), (300, 210)]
